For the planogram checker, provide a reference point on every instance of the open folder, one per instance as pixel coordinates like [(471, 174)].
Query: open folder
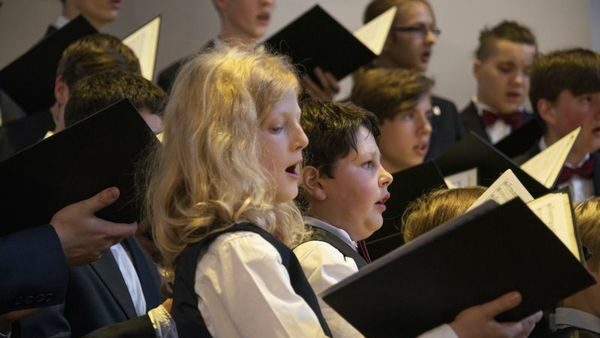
[(554, 209), (29, 80), (470, 260), (407, 186), (96, 153), (474, 152), (144, 43), (316, 39)]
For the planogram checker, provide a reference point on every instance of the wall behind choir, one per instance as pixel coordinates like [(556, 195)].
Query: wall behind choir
[(188, 24)]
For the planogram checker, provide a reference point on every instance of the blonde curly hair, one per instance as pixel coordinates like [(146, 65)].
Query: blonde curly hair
[(207, 174)]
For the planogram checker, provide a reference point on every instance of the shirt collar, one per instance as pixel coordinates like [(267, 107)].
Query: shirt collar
[(60, 22), (480, 106), (572, 317), (342, 234)]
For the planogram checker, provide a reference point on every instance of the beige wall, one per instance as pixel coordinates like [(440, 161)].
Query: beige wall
[(187, 24)]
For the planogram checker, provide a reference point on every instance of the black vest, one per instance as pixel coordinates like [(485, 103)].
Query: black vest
[(318, 234), (185, 301)]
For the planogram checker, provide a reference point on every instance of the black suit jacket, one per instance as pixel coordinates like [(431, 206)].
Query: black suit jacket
[(473, 122), (97, 295), (167, 76), (34, 271), (447, 127), (140, 327)]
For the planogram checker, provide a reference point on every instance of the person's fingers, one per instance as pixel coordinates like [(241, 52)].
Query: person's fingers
[(312, 88), (501, 304), (118, 231), (101, 200), (325, 85), (333, 83)]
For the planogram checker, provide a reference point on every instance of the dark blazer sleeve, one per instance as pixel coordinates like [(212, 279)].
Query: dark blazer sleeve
[(34, 270), (139, 327)]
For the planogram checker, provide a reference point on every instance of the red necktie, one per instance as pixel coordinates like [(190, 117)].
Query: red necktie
[(515, 120), (586, 170), (362, 250)]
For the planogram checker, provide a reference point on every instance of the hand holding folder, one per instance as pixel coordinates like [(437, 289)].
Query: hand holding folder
[(100, 151), (477, 257)]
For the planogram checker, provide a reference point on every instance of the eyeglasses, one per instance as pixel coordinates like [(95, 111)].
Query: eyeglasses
[(421, 30)]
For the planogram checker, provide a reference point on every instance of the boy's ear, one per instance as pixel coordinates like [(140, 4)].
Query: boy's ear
[(546, 111), (311, 183), (61, 91), (476, 68)]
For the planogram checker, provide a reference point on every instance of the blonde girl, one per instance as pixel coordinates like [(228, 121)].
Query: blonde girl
[(220, 198)]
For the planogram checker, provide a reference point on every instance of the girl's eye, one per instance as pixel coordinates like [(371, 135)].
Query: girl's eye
[(276, 130)]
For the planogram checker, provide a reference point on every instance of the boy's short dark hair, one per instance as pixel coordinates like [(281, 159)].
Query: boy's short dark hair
[(576, 70), (388, 91), (331, 128), (97, 53), (506, 30), (93, 93)]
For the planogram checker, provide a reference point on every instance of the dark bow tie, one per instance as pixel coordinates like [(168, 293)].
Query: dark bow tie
[(586, 170), (362, 250), (515, 120)]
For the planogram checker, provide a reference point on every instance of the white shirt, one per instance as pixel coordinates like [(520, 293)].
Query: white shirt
[(131, 278), (61, 21), (579, 187), (325, 266), (567, 317), (499, 129), (244, 291)]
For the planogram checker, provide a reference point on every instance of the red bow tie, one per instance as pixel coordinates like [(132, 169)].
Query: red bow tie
[(586, 170), (515, 120)]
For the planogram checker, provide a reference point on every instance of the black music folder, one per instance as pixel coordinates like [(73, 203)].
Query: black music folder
[(467, 261), (407, 186), (474, 152), (522, 139), (29, 80), (316, 39), (98, 152)]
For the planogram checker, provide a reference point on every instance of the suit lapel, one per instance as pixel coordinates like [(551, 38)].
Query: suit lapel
[(146, 272), (108, 271), (472, 121)]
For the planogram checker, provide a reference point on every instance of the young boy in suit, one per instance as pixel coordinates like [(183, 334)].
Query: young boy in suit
[(401, 100), (344, 189), (502, 64), (410, 45), (565, 94)]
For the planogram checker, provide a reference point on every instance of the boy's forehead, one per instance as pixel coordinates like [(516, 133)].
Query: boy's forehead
[(500, 46)]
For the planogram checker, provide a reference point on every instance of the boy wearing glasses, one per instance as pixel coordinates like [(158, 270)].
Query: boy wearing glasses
[(410, 45), (501, 68)]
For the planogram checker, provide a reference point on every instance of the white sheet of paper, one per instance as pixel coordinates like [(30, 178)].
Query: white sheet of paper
[(467, 178), (554, 210), (144, 43), (374, 33), (504, 189), (546, 166)]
